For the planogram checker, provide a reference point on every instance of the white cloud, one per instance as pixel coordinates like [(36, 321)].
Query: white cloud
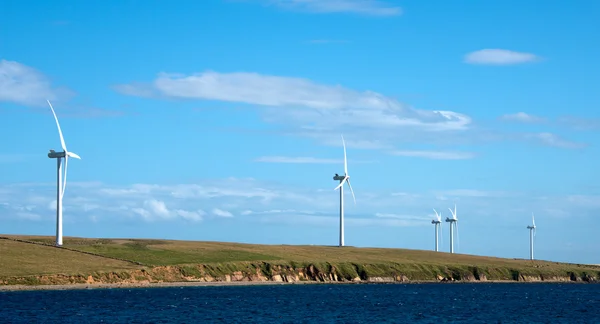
[(522, 118), (310, 109), (291, 205), (365, 7), (221, 213), (25, 85), (472, 193), (321, 112), (554, 140), (499, 57), (436, 155), (153, 209)]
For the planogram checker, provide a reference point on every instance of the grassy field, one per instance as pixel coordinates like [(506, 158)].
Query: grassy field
[(30, 259), (22, 259)]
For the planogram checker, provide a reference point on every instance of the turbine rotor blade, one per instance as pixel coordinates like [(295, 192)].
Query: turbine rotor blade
[(533, 219), (457, 237), (345, 160), (71, 154), (341, 184), (352, 191), (62, 140), (441, 236), (65, 177)]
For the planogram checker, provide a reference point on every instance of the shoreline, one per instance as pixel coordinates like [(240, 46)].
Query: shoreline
[(182, 284)]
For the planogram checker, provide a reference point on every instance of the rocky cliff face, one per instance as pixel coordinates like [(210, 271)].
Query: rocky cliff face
[(256, 272)]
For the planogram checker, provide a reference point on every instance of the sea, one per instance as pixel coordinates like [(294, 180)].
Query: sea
[(311, 303)]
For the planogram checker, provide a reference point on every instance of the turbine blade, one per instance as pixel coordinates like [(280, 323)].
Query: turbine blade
[(62, 140), (457, 237), (454, 214), (533, 219), (71, 154), (65, 177), (441, 236), (352, 191), (451, 212), (345, 160), (341, 184)]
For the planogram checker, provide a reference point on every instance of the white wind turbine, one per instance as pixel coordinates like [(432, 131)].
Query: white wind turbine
[(453, 221), (438, 225), (60, 184), (342, 179), (531, 236)]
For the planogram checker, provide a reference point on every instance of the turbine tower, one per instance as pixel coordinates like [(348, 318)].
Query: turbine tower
[(438, 224), (342, 179), (453, 221), (531, 236), (60, 183)]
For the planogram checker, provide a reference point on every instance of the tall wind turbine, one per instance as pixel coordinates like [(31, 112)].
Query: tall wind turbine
[(452, 221), (531, 236), (60, 184), (342, 179), (438, 225)]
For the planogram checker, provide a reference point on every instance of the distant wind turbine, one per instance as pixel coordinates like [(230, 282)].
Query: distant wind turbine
[(60, 191), (342, 179), (438, 225), (453, 221), (531, 236)]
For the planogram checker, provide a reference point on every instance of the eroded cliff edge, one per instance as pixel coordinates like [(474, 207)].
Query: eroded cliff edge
[(317, 272)]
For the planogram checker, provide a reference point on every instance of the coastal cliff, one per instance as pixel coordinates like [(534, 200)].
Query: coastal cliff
[(35, 261), (295, 273)]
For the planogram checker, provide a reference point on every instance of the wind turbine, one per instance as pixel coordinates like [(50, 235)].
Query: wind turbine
[(60, 184), (438, 225), (453, 221), (531, 236), (342, 179)]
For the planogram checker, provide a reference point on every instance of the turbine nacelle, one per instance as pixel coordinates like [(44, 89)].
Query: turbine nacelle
[(56, 155), (345, 178), (338, 177)]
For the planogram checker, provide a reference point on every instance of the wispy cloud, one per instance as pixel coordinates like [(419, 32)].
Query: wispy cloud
[(27, 86), (455, 193), (499, 57), (252, 200), (522, 118), (221, 213), (436, 155), (312, 110), (554, 140), (321, 112), (365, 7)]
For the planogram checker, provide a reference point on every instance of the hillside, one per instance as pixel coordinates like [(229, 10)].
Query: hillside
[(32, 260)]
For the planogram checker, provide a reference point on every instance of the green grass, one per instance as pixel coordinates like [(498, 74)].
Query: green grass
[(221, 258), (22, 259)]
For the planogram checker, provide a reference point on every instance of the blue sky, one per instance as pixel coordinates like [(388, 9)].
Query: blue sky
[(221, 120)]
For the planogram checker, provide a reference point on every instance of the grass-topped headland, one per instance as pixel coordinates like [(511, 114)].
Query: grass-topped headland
[(32, 260)]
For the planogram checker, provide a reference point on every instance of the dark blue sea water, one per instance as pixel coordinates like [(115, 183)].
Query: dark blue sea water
[(391, 303)]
